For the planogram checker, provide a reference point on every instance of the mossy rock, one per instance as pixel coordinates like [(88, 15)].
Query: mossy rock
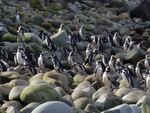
[(60, 38), (38, 91), (9, 38), (30, 107), (36, 47), (144, 104), (16, 92), (6, 77), (31, 37), (4, 90), (38, 76), (35, 4), (15, 104), (81, 103), (79, 78), (56, 78), (54, 7)]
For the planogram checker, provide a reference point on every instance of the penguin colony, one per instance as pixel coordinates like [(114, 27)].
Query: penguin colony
[(107, 69)]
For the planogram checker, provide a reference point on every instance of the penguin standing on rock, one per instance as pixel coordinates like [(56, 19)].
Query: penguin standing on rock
[(56, 63), (98, 70), (88, 50), (138, 70), (61, 27), (18, 18), (117, 40), (41, 61), (71, 60), (148, 82), (50, 44), (126, 77)]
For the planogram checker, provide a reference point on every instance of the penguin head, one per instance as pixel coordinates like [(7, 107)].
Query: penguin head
[(89, 46), (112, 57), (71, 53), (147, 56), (98, 62), (107, 69)]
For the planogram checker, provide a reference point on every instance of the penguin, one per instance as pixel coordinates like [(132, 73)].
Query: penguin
[(104, 61), (50, 44), (88, 50), (131, 70), (111, 62), (118, 64), (116, 40), (126, 44), (3, 65), (126, 77), (106, 77), (41, 61), (56, 63), (81, 33), (71, 59), (89, 59), (98, 70), (20, 55), (61, 27), (146, 62), (138, 70), (131, 45), (148, 82), (3, 53), (18, 18), (79, 68), (41, 35)]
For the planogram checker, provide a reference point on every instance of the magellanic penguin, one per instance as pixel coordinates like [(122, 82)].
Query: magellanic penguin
[(3, 65), (104, 61), (18, 18), (148, 82), (79, 68), (3, 53), (138, 71), (126, 44), (98, 70), (41, 61), (81, 33), (50, 44), (71, 59), (106, 77), (111, 62), (126, 77), (41, 35), (56, 63), (117, 40), (19, 57), (88, 50), (61, 27), (147, 62)]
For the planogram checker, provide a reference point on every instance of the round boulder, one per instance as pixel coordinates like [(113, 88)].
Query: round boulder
[(53, 107)]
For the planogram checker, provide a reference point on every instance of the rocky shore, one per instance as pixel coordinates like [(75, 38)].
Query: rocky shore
[(65, 85)]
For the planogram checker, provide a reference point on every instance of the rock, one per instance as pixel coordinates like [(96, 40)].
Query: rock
[(68, 100), (18, 82), (31, 37), (55, 106), (54, 77), (100, 92), (8, 76), (4, 90), (15, 104), (60, 91), (79, 78), (8, 38), (38, 76), (144, 104), (3, 30), (16, 92), (82, 45), (123, 108), (72, 7), (37, 19), (86, 87), (30, 107), (123, 91), (79, 94), (11, 109), (81, 103), (132, 56), (90, 108), (133, 96), (107, 101), (60, 38), (38, 91), (141, 11)]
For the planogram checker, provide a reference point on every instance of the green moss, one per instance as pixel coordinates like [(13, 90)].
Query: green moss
[(35, 4), (9, 38), (47, 25), (54, 7)]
